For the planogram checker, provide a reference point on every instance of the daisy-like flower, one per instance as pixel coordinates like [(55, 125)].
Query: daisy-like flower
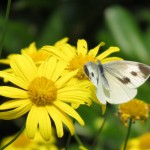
[(135, 110), (77, 57), (139, 143), (36, 54), (44, 93), (24, 143)]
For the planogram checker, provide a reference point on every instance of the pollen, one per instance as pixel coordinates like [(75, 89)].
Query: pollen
[(42, 91), (135, 109), (77, 63)]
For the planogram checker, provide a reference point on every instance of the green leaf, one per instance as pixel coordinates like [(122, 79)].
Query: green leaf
[(126, 33)]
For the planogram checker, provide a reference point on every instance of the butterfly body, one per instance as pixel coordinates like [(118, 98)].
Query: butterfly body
[(117, 81)]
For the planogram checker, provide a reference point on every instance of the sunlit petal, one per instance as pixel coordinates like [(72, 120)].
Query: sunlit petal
[(24, 67), (32, 122), (13, 92), (17, 112), (44, 123), (69, 110)]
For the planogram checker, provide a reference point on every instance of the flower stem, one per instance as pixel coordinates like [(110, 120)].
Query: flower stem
[(5, 26), (22, 129), (68, 141), (78, 139), (128, 132), (96, 137)]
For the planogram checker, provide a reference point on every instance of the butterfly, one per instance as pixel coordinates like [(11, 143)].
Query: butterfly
[(117, 81)]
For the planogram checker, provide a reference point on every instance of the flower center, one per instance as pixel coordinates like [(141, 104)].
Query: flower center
[(77, 63), (42, 91)]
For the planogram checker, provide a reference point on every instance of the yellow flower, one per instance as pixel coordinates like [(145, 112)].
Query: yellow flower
[(77, 57), (134, 109), (24, 143), (44, 93), (139, 143)]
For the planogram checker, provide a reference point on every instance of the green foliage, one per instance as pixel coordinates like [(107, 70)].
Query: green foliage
[(47, 21)]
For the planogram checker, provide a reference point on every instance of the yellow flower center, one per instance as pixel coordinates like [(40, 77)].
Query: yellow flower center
[(77, 63), (42, 91)]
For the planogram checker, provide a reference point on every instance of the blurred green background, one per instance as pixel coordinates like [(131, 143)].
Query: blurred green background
[(123, 23)]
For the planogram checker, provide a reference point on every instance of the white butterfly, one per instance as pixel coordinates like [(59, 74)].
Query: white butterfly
[(116, 81)]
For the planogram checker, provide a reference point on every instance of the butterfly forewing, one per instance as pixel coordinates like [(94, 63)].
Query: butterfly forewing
[(131, 74)]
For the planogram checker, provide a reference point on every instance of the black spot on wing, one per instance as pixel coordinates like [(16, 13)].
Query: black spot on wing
[(86, 70), (92, 74), (144, 69), (124, 80), (134, 73)]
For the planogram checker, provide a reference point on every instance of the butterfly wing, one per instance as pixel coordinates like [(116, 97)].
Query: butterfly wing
[(118, 93), (123, 78), (92, 71), (131, 74)]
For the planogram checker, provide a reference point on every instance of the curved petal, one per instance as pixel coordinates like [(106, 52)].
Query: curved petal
[(74, 95), (14, 79), (17, 112), (93, 52), (24, 67), (69, 51), (57, 120), (82, 47), (55, 52), (44, 123), (69, 110), (13, 92), (32, 122), (14, 104), (109, 59), (65, 78), (60, 67), (108, 52), (64, 118), (47, 68)]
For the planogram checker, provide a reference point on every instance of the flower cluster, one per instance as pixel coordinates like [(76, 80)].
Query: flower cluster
[(46, 83), (135, 110)]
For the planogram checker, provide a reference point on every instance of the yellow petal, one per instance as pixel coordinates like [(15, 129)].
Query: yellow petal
[(29, 50), (14, 79), (14, 103), (82, 47), (69, 51), (24, 67), (44, 123), (93, 52), (65, 78), (108, 52), (65, 119), (55, 52), (69, 110), (17, 112), (57, 120), (109, 59), (32, 122), (62, 41), (47, 68), (13, 92), (60, 66)]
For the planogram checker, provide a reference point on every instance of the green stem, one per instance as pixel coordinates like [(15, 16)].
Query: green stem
[(22, 129), (128, 132), (99, 131), (5, 26), (68, 141), (69, 138), (78, 139)]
